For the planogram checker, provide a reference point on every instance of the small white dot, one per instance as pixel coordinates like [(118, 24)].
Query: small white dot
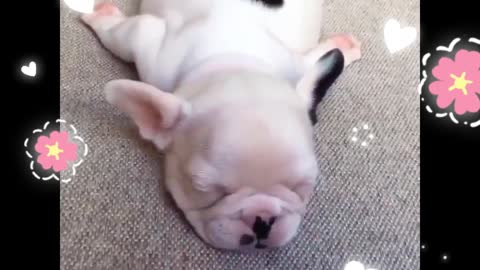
[(465, 123), (355, 129), (423, 246), (364, 143), (365, 126), (423, 99), (444, 257), (354, 139), (370, 136)]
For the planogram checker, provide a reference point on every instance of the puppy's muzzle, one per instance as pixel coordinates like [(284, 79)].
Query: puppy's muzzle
[(261, 228), (260, 216)]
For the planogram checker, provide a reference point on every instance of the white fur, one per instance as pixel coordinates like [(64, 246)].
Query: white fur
[(223, 96)]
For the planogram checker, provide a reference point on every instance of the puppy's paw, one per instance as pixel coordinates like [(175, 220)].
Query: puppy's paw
[(104, 14), (107, 9), (349, 46)]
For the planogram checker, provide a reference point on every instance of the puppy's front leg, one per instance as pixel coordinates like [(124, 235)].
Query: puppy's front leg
[(133, 39)]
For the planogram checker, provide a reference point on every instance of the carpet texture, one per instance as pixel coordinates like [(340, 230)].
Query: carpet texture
[(115, 213)]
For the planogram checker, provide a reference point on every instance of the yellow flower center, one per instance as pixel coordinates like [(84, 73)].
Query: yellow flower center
[(460, 83), (53, 150)]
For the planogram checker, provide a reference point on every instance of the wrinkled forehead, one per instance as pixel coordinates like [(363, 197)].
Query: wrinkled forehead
[(271, 128), (258, 143)]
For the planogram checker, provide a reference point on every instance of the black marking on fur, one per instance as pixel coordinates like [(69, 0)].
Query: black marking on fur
[(334, 62), (271, 3)]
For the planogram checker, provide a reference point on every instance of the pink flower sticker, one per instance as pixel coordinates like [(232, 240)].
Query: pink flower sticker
[(55, 151), (458, 81)]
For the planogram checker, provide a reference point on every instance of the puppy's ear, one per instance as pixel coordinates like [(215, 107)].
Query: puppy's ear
[(313, 86), (155, 112)]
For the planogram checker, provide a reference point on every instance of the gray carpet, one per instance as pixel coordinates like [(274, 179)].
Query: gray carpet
[(115, 213)]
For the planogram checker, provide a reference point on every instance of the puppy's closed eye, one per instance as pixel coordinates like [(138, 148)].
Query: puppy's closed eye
[(203, 176), (211, 194), (201, 182), (204, 181), (213, 201)]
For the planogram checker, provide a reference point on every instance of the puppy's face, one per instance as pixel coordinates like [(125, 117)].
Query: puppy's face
[(239, 155)]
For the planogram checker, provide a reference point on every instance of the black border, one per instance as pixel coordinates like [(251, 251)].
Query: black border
[(448, 163), (32, 206), (447, 154)]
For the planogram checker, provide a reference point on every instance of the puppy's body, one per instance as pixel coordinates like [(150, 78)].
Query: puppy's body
[(236, 133), (295, 23), (244, 32)]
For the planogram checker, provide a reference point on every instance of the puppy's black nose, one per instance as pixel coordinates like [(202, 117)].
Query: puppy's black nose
[(271, 221), (262, 228), (246, 239)]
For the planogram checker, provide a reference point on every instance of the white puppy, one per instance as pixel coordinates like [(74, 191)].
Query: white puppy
[(226, 94)]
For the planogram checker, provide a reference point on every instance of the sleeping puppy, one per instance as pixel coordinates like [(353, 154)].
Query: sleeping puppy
[(228, 92)]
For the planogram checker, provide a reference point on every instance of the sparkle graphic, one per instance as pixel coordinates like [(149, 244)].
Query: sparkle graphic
[(359, 133), (445, 258)]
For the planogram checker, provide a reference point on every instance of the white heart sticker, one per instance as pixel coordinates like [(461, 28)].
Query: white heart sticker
[(354, 265), (398, 38), (83, 6), (30, 70)]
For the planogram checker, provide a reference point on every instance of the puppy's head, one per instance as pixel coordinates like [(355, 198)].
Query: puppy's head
[(239, 154)]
